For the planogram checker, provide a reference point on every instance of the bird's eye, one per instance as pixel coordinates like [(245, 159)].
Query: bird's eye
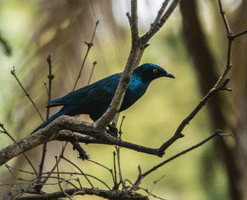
[(155, 70)]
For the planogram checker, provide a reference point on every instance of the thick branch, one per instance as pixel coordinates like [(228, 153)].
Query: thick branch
[(132, 63), (69, 136), (109, 194), (137, 48), (51, 131), (43, 135)]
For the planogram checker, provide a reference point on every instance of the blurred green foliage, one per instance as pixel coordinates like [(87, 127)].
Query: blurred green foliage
[(150, 122)]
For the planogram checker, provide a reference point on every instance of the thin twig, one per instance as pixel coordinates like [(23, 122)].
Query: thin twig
[(230, 40), (222, 12), (59, 183), (242, 33), (20, 170), (50, 77), (20, 179), (44, 149), (67, 183), (160, 12), (110, 170), (89, 45), (155, 182), (61, 180), (115, 187), (75, 173), (14, 74), (94, 63), (150, 194), (79, 170), (58, 160), (120, 127), (119, 167), (46, 88), (28, 160)]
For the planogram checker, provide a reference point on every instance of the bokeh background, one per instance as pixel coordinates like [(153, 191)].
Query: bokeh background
[(192, 46)]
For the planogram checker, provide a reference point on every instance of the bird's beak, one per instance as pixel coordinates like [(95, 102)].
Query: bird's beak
[(169, 75)]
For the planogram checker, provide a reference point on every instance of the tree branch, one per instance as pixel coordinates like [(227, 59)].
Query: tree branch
[(109, 194), (141, 176), (136, 52), (178, 134)]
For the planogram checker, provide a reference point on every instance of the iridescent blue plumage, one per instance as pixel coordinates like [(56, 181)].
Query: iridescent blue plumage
[(95, 99)]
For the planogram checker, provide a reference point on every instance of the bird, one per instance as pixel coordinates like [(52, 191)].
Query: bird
[(96, 98)]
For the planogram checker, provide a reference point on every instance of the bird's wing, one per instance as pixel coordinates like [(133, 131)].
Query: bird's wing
[(76, 97), (100, 91), (105, 89)]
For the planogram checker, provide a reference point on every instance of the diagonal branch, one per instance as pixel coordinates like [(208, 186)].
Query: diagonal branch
[(222, 12), (156, 26), (89, 45), (141, 176), (160, 12), (114, 107), (28, 160), (178, 134), (136, 52), (14, 74)]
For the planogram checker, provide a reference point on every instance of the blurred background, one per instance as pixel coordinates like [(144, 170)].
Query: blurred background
[(192, 46)]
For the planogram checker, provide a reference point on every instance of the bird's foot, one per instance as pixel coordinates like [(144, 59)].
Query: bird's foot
[(112, 130)]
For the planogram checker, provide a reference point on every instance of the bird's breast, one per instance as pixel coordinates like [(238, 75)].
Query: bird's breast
[(134, 92)]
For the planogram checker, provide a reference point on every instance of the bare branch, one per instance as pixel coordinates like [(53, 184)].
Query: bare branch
[(110, 170), (94, 63), (89, 45), (82, 153), (50, 77), (39, 186), (156, 26), (28, 160), (160, 12), (137, 49), (59, 183), (178, 134), (14, 74), (222, 12), (242, 33), (79, 170), (68, 136), (140, 177), (90, 191), (134, 22)]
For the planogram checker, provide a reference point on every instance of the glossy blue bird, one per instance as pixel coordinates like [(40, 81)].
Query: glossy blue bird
[(95, 99)]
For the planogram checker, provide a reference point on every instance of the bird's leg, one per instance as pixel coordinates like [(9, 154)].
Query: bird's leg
[(112, 130)]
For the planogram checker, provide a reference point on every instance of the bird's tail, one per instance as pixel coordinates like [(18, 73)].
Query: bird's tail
[(66, 110)]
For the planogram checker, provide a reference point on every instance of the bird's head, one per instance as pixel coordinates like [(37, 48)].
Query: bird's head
[(151, 71)]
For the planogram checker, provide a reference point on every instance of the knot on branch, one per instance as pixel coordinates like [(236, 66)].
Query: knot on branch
[(50, 76), (230, 36), (49, 59), (89, 44)]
